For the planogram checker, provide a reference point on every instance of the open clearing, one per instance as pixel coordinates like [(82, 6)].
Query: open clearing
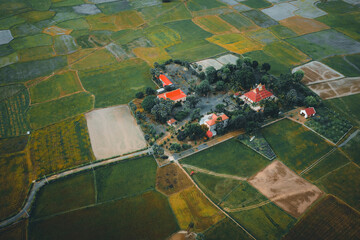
[(317, 72), (285, 188), (114, 132), (338, 88), (209, 63), (302, 25), (280, 11), (329, 219)]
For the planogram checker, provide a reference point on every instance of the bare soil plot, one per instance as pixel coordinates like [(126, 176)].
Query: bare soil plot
[(5, 36), (302, 25), (54, 30), (308, 9), (228, 58), (210, 63), (338, 88), (171, 179), (280, 11), (317, 72), (113, 132), (286, 189)]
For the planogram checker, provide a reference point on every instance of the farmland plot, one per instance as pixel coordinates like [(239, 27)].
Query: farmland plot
[(260, 18), (209, 63), (113, 132), (214, 24), (237, 43), (239, 21), (338, 88), (226, 229), (285, 188), (280, 11), (302, 25)]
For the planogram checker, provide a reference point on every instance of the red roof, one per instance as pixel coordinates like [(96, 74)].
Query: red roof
[(214, 118), (209, 134), (258, 94), (165, 80), (171, 121), (173, 95), (310, 111)]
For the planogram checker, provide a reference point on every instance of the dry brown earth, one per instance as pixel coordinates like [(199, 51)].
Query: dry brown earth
[(338, 88)]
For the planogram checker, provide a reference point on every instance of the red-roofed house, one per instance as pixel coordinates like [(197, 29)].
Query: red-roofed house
[(176, 95), (308, 112), (171, 122), (212, 120), (165, 81), (257, 94)]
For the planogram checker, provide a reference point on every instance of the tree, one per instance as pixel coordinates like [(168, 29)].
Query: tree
[(203, 88), (162, 110), (139, 95), (150, 91), (271, 109), (247, 61), (148, 103), (291, 97), (181, 115), (202, 76), (220, 85), (211, 74), (175, 147), (195, 131), (181, 136), (200, 236), (220, 108), (298, 75), (220, 128), (265, 67), (255, 64), (195, 114), (157, 150), (311, 101), (192, 100)]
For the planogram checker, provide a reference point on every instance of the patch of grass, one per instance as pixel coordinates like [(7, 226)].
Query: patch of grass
[(147, 216), (113, 7), (125, 179), (282, 31), (65, 194), (41, 5), (64, 44), (9, 59), (128, 19), (296, 146), (44, 114), (16, 231), (277, 67), (20, 72), (13, 121), (60, 146), (162, 36), (237, 43), (230, 157), (197, 5), (188, 30), (224, 230), (330, 163), (24, 29), (260, 18), (341, 65), (262, 35), (119, 82), (317, 221), (214, 24), (8, 22), (354, 59), (126, 36), (55, 87), (301, 25), (75, 24), (8, 91), (273, 221), (66, 3), (190, 205), (98, 58), (31, 41), (36, 53), (6, 49), (337, 6), (256, 3), (14, 175), (243, 195), (152, 55), (36, 16), (169, 12), (239, 21), (343, 183), (352, 149), (13, 145), (285, 53), (347, 106), (214, 187)]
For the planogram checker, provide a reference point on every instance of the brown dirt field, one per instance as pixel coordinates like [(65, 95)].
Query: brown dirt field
[(302, 25), (113, 132), (338, 88), (171, 179), (54, 30), (286, 189), (295, 115), (317, 72)]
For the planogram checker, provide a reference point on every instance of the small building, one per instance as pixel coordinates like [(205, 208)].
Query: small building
[(256, 95), (211, 120), (176, 95), (308, 112), (165, 81), (171, 122)]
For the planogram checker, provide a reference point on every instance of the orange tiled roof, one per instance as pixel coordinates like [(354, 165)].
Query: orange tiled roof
[(214, 118), (258, 94), (173, 95), (165, 80)]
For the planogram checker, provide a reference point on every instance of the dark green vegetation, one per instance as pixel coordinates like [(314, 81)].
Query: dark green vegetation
[(230, 157), (258, 144), (125, 179), (65, 194), (47, 113), (260, 18), (266, 222), (328, 164), (329, 219), (330, 124), (282, 31), (13, 110), (239, 21), (296, 146), (197, 5), (256, 3), (146, 216), (352, 149), (343, 183), (14, 144), (342, 65), (337, 6), (347, 106), (14, 232), (225, 230)]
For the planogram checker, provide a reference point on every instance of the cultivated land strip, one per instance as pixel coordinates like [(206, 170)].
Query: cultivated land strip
[(214, 173), (39, 184), (317, 161)]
